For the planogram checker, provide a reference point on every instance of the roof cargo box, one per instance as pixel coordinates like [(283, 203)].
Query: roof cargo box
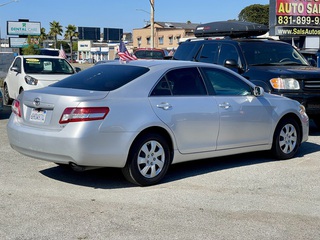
[(231, 29)]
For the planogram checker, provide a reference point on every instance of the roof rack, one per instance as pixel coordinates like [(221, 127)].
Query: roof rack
[(232, 29)]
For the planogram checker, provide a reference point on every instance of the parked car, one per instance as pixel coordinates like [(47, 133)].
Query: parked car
[(34, 71), (83, 61), (150, 53), (143, 116), (274, 65), (49, 51)]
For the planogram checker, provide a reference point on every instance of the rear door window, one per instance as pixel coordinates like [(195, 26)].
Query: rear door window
[(181, 82)]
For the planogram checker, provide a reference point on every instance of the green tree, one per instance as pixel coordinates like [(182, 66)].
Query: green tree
[(255, 13), (71, 33), (43, 36), (55, 30), (31, 49)]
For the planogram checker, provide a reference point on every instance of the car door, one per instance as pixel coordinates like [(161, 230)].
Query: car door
[(245, 120), (181, 101), (13, 78)]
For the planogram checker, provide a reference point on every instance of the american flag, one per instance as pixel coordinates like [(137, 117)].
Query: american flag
[(123, 53), (62, 53)]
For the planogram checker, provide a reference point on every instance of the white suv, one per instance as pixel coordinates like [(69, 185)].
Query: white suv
[(34, 71)]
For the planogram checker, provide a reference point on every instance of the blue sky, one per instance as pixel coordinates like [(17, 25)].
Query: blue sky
[(125, 14)]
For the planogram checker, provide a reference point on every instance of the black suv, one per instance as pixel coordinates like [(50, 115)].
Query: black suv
[(274, 65)]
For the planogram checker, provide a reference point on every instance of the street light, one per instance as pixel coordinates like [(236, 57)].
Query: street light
[(8, 2), (2, 4), (151, 21)]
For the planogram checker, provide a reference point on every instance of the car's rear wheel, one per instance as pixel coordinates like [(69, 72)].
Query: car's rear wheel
[(6, 98), (148, 160), (286, 139)]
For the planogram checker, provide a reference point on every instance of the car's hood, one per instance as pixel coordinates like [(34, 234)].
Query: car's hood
[(49, 77), (299, 71)]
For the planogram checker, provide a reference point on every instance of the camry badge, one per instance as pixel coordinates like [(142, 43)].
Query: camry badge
[(36, 102)]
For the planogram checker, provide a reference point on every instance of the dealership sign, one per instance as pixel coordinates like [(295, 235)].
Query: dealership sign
[(18, 42), (295, 18), (24, 28)]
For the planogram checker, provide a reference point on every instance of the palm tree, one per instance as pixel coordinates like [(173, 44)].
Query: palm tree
[(43, 36), (55, 30), (70, 34)]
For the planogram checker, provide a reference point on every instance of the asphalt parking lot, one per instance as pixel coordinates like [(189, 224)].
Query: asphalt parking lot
[(247, 196)]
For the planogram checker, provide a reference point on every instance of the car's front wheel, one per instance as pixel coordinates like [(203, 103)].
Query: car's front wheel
[(286, 139), (6, 98), (148, 161)]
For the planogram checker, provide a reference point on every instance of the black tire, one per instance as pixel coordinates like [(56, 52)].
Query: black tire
[(6, 98), (286, 139), (148, 161)]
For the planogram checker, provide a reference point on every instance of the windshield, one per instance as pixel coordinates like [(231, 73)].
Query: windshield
[(47, 66), (260, 53)]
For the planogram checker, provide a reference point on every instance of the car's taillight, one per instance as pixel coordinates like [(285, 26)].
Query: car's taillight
[(16, 108), (83, 114)]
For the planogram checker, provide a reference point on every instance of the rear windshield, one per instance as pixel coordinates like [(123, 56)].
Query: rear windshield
[(103, 77)]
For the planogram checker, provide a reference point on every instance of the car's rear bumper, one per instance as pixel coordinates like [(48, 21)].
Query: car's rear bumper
[(70, 145)]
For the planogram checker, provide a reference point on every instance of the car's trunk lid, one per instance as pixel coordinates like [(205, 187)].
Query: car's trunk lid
[(43, 108)]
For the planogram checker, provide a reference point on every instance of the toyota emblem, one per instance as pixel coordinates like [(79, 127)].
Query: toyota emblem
[(36, 102)]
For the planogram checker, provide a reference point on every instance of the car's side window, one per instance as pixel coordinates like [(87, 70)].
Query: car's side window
[(180, 82), (228, 52), (186, 82), (209, 53), (17, 63), (225, 83), (162, 88)]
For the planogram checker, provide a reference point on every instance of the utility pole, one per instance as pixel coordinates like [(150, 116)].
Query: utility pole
[(152, 23)]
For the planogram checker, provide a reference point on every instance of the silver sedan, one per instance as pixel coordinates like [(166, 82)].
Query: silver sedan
[(143, 116)]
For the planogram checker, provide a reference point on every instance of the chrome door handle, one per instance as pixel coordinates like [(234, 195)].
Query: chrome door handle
[(164, 106), (225, 105)]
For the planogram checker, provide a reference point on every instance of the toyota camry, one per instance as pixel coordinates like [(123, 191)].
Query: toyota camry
[(142, 116)]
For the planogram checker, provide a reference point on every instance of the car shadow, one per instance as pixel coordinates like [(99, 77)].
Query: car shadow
[(313, 129), (112, 178)]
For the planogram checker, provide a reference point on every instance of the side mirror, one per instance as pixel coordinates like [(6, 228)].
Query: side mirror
[(233, 65), (77, 69), (258, 91), (16, 69), (230, 63), (312, 62)]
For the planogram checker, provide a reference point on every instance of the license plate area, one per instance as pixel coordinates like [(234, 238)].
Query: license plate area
[(38, 115)]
